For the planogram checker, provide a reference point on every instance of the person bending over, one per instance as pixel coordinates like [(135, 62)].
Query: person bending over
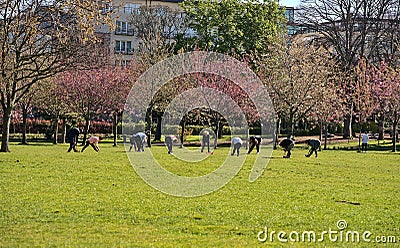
[(72, 136), (287, 146), (254, 141), (141, 139), (237, 143), (94, 142), (314, 146)]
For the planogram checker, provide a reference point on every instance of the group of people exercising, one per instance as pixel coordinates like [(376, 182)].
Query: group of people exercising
[(254, 142), (286, 144), (138, 140)]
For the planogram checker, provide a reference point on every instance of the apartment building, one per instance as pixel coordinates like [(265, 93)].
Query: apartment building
[(122, 39)]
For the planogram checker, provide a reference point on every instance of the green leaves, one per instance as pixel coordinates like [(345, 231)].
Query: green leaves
[(234, 27)]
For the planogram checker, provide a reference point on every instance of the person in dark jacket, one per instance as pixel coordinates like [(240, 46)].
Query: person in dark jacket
[(254, 141), (148, 138), (72, 136), (314, 144), (287, 146)]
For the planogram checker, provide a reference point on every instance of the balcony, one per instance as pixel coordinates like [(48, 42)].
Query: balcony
[(128, 32), (126, 51)]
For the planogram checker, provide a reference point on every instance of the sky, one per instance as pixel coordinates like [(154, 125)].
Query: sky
[(289, 3)]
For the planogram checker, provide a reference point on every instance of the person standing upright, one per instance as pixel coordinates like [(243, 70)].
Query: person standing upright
[(169, 140), (364, 139), (205, 140)]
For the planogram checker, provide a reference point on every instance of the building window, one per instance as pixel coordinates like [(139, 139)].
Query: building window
[(106, 8), (122, 46), (131, 7), (123, 28), (123, 62)]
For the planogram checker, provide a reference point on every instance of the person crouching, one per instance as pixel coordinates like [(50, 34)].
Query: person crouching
[(287, 146), (254, 141)]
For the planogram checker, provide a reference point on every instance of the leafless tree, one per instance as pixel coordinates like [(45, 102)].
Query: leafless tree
[(353, 29), (157, 29), (39, 39)]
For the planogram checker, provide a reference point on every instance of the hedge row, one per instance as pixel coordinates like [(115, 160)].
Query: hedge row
[(36, 126)]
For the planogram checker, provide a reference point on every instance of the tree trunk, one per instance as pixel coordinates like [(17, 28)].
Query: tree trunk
[(359, 135), (64, 130), (381, 127), (321, 130), (291, 126), (24, 124), (149, 125), (326, 137), (55, 130), (217, 132), (347, 130), (220, 129), (183, 124), (394, 138), (158, 129), (277, 132), (114, 127), (6, 130), (86, 130)]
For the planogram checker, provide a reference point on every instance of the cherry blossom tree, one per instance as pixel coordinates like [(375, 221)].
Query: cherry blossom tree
[(360, 93), (98, 92), (195, 78), (51, 99), (331, 106), (386, 92), (295, 76), (85, 93), (118, 85), (215, 100)]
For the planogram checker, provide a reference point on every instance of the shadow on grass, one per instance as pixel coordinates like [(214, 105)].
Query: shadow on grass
[(371, 147), (38, 143)]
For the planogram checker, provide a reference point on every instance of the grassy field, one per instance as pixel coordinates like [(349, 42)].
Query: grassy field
[(50, 198)]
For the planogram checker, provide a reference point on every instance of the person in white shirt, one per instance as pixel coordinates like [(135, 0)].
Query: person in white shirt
[(140, 140), (169, 140), (205, 141), (364, 140), (237, 143)]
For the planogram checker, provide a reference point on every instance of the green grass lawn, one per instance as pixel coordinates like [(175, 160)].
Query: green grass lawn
[(49, 197)]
